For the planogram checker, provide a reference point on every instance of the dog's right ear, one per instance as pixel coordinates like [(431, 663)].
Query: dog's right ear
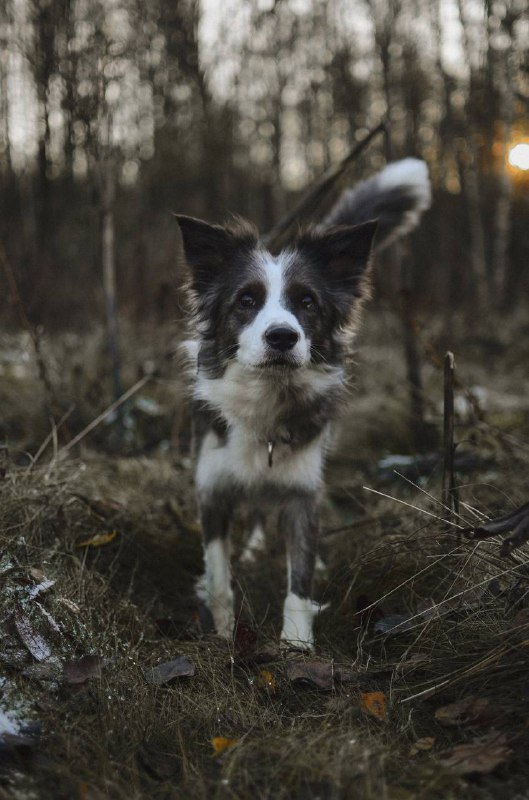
[(206, 247), (209, 249)]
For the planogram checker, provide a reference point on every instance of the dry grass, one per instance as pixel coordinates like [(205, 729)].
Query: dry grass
[(467, 636)]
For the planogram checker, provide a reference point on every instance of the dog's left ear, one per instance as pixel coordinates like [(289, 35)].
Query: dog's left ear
[(341, 253)]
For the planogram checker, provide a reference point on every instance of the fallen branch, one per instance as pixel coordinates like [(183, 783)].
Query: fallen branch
[(104, 414), (449, 496)]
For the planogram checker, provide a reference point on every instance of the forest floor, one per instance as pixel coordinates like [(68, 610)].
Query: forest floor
[(419, 685)]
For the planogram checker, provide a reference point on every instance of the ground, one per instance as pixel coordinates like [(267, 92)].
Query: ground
[(418, 687)]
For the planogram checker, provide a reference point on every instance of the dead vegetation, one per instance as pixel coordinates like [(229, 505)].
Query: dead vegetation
[(419, 685)]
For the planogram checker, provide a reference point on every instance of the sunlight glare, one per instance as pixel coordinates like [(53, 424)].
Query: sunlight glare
[(519, 156)]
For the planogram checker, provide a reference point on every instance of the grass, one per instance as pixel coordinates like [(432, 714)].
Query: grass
[(460, 611)]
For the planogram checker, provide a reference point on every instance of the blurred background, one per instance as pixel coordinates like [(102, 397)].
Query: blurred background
[(114, 114)]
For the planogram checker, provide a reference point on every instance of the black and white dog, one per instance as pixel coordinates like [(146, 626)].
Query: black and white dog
[(272, 335)]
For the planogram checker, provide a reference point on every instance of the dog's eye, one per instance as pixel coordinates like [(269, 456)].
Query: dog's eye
[(308, 302), (247, 300)]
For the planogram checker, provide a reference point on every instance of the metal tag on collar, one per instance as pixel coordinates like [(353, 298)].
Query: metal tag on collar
[(271, 446)]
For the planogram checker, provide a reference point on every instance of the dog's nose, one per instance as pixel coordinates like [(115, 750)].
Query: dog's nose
[(281, 338)]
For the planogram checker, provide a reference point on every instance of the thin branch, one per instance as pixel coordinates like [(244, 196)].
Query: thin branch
[(104, 414), (318, 198)]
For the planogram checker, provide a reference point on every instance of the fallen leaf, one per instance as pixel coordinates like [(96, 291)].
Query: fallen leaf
[(471, 709), (480, 756), (40, 588), (48, 617), (36, 644), (426, 743), (82, 669), (222, 743), (98, 540), (179, 667), (321, 674), (374, 703), (265, 680), (70, 605)]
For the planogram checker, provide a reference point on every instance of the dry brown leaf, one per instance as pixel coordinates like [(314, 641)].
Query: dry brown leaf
[(265, 680), (98, 540), (321, 674), (70, 605), (222, 743), (480, 756), (82, 669), (179, 667), (426, 743), (374, 703), (471, 709)]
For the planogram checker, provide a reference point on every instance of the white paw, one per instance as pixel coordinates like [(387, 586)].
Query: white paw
[(298, 617), (223, 616)]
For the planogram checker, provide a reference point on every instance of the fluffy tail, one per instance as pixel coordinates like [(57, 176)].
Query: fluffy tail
[(396, 196)]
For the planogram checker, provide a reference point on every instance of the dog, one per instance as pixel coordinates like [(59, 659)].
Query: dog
[(271, 339)]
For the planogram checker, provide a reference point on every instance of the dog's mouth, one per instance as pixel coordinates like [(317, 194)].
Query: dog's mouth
[(281, 361)]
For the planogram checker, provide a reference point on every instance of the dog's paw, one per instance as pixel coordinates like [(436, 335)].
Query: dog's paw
[(219, 605), (298, 617), (223, 616)]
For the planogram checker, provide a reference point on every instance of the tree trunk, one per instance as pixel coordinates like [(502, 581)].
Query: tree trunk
[(108, 257)]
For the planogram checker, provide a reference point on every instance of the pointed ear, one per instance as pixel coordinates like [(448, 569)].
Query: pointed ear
[(209, 249), (341, 253)]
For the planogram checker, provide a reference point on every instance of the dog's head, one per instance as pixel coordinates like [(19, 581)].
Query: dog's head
[(267, 312)]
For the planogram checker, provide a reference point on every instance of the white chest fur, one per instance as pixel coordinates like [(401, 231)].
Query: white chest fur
[(251, 404), (243, 460)]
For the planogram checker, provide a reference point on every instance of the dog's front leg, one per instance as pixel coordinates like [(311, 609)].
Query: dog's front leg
[(299, 521), (215, 513)]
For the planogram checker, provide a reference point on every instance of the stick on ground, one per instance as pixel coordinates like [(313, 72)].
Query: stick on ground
[(450, 498)]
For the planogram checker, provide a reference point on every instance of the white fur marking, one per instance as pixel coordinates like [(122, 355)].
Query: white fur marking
[(255, 397), (298, 616), (255, 544), (215, 588), (243, 460), (410, 174), (253, 349)]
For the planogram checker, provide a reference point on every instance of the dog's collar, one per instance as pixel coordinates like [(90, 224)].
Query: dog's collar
[(270, 444), (285, 438)]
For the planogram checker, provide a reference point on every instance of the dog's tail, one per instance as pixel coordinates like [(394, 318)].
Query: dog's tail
[(396, 196)]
